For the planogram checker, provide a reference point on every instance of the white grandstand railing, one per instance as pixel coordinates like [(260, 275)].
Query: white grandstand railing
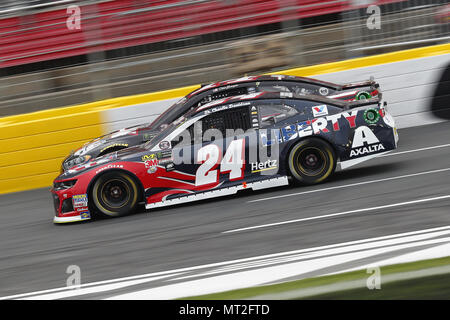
[(19, 6)]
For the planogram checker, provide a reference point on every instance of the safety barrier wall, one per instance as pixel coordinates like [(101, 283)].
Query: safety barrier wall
[(33, 145)]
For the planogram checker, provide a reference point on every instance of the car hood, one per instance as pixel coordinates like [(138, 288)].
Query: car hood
[(121, 155)]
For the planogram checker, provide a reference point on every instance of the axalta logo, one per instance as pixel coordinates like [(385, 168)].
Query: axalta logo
[(262, 166), (366, 150), (365, 136)]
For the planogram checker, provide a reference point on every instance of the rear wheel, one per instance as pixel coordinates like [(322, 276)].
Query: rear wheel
[(311, 161), (115, 194)]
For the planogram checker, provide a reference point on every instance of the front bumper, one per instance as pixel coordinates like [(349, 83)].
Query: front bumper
[(70, 207), (69, 219)]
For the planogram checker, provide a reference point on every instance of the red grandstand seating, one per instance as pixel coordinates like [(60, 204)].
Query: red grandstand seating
[(124, 23)]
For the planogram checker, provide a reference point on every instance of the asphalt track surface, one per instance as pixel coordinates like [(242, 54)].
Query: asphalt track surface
[(35, 253)]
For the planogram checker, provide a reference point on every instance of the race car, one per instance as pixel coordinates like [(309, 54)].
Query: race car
[(128, 137), (252, 141)]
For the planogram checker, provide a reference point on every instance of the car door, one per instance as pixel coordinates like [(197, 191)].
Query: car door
[(214, 150), (274, 116)]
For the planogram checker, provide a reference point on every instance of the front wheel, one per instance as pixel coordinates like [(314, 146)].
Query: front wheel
[(311, 161), (115, 194)]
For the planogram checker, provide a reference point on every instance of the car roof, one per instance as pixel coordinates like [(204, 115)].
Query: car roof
[(345, 105), (274, 77)]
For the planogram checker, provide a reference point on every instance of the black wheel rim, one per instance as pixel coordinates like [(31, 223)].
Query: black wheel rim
[(311, 161), (115, 193)]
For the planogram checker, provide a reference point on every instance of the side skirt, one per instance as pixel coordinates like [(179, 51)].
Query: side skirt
[(263, 184)]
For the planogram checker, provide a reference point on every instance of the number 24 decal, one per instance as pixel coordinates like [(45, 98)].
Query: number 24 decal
[(210, 156)]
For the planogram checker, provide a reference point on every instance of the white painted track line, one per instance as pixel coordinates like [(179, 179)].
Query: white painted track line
[(353, 184), (411, 238), (372, 181), (415, 150), (340, 214)]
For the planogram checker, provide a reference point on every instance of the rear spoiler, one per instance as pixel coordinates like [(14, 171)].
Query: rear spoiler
[(367, 102), (368, 83)]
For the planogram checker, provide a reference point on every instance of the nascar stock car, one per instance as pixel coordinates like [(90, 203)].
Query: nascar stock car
[(252, 141), (252, 84)]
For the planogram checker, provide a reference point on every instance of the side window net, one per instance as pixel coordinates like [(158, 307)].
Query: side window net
[(230, 119), (272, 113), (222, 120)]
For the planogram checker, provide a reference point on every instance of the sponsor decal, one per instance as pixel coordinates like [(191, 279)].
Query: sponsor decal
[(371, 116), (319, 111), (323, 91), (262, 166), (316, 126), (366, 150), (363, 95), (286, 94), (85, 215), (109, 166), (147, 136), (149, 157), (152, 170), (151, 163), (228, 87), (80, 200), (304, 129), (114, 145), (165, 160), (170, 167), (319, 124), (351, 118), (254, 117), (230, 106), (363, 135), (289, 132), (365, 142), (334, 118), (164, 145), (164, 154)]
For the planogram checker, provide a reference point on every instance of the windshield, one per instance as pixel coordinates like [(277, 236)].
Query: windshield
[(168, 116), (164, 132)]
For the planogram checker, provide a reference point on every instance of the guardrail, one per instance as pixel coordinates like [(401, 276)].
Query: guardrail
[(33, 145)]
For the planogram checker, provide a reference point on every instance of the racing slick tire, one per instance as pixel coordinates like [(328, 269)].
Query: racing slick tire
[(311, 161), (115, 194)]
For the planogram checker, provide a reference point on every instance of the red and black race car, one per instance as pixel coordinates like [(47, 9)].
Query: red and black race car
[(253, 141), (248, 85)]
